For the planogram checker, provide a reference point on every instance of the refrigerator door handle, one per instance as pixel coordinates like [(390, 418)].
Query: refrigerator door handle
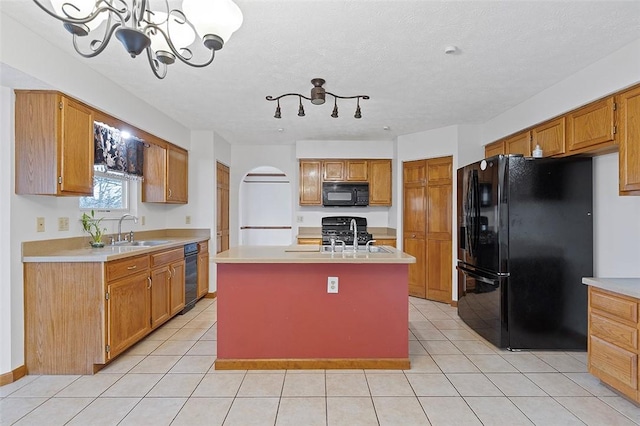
[(491, 281)]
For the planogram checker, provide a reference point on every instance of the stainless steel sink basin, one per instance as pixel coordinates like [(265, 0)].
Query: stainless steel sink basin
[(146, 243), (350, 249)]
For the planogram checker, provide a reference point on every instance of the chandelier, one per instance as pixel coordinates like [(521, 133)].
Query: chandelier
[(165, 33), (318, 94)]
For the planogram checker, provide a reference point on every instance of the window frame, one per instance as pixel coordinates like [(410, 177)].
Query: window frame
[(126, 190)]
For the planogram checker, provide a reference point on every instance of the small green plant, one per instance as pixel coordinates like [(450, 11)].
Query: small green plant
[(92, 225)]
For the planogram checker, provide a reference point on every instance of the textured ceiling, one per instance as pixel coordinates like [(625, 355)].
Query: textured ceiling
[(390, 50)]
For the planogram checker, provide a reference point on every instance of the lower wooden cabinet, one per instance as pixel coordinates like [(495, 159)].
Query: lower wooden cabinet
[(385, 242), (613, 350), (81, 315), (128, 306), (310, 241), (203, 269)]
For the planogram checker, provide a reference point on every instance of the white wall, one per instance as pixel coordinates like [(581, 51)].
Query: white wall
[(7, 296)]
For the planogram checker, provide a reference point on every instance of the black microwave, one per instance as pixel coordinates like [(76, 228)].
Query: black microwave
[(336, 194)]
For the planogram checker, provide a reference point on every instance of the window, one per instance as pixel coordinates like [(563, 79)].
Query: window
[(110, 193)]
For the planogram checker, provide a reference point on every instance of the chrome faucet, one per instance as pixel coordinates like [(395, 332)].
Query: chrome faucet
[(135, 220), (354, 227)]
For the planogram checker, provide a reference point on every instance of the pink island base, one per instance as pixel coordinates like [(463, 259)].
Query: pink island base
[(280, 316)]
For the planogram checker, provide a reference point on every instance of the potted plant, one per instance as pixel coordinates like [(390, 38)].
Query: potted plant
[(92, 226)]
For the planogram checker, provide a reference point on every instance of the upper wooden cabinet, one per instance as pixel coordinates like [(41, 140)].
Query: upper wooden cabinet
[(165, 175), (591, 126), (550, 136), (333, 170), (494, 148), (53, 144), (628, 121), (519, 144), (310, 182), (380, 182), (357, 170), (376, 172)]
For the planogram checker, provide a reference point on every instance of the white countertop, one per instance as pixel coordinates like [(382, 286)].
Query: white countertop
[(625, 286), (106, 253), (307, 254)]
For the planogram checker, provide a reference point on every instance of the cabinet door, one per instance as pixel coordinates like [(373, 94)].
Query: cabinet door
[(160, 296), (519, 144), (177, 176), (203, 274), (414, 223), (76, 148), (495, 148), (416, 247), (357, 170), (628, 120), (550, 136), (333, 170), (222, 205), (385, 242), (380, 182), (127, 312), (155, 171), (177, 287), (591, 127), (310, 182), (614, 366)]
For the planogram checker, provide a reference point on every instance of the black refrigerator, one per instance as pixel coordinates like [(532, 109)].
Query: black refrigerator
[(525, 240)]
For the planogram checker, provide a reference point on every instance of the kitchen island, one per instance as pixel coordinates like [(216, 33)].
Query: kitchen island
[(276, 311)]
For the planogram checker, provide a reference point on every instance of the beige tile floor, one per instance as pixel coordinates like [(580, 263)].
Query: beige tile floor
[(456, 378)]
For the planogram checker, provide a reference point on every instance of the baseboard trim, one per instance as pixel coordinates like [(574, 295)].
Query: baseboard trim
[(211, 295), (454, 303), (12, 376), (313, 364)]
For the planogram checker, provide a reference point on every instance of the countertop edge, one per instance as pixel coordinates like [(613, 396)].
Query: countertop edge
[(624, 286)]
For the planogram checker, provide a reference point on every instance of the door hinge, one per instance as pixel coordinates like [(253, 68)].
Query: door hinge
[(615, 106), (615, 129), (60, 104), (60, 180), (107, 296), (107, 348)]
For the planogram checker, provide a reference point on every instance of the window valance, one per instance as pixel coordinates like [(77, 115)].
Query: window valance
[(117, 155)]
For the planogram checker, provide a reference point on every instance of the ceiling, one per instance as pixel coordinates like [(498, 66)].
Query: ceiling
[(391, 50)]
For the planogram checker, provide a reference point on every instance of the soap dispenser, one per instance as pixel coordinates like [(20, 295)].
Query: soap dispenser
[(537, 152)]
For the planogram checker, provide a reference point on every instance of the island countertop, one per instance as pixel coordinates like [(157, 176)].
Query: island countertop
[(308, 254), (625, 286)]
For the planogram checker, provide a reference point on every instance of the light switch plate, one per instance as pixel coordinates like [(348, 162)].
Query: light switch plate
[(40, 224), (332, 284), (63, 224)]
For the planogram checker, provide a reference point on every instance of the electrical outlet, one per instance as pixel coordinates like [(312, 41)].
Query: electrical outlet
[(332, 284), (40, 224), (143, 220), (299, 219), (63, 224), (187, 220)]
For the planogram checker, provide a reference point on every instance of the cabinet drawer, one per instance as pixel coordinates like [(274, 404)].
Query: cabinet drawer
[(614, 332), (624, 309), (131, 265), (167, 256), (203, 247), (617, 363)]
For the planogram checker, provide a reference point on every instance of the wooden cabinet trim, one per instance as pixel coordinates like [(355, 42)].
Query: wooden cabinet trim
[(117, 269), (166, 256), (616, 306)]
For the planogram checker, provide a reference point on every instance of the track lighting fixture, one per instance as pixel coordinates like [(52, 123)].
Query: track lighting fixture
[(318, 97)]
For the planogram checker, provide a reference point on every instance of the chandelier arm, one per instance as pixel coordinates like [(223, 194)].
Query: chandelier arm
[(103, 44), (271, 98), (155, 65), (107, 7), (348, 97), (153, 27)]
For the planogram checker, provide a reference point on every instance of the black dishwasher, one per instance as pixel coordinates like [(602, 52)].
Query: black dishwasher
[(191, 276)]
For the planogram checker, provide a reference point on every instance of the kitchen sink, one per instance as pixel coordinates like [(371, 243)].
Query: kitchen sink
[(146, 243), (350, 249)]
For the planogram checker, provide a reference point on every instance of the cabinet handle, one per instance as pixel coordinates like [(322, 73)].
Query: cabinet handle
[(413, 235), (149, 285), (169, 192), (132, 267)]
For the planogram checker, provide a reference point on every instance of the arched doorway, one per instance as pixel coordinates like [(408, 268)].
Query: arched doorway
[(265, 207)]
